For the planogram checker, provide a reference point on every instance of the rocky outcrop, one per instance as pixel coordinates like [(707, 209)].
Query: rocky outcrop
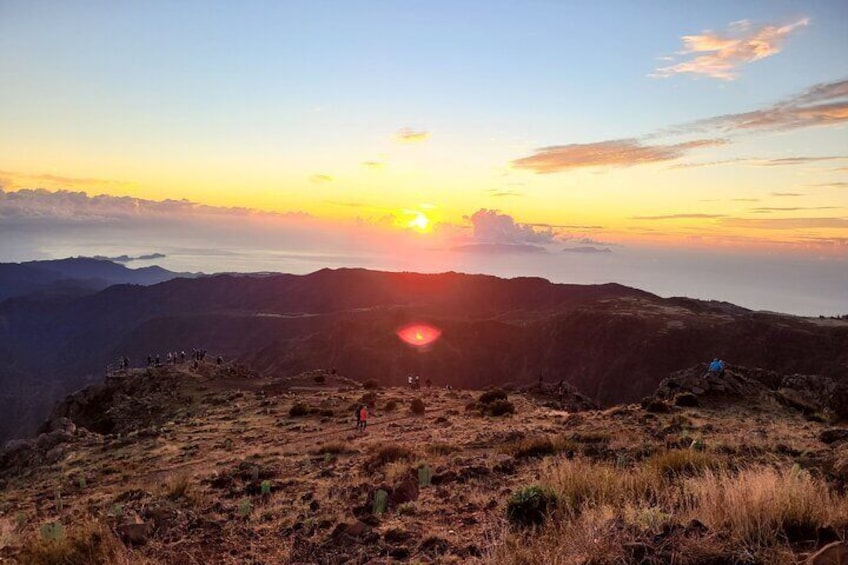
[(811, 394)]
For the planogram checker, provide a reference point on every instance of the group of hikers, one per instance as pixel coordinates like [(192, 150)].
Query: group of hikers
[(414, 382), (172, 358)]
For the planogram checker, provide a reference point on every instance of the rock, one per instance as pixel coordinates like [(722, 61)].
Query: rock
[(657, 407), (686, 399), (835, 553), (397, 536), (134, 533), (833, 435)]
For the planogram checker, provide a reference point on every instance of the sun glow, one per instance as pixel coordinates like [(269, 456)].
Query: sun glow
[(420, 222)]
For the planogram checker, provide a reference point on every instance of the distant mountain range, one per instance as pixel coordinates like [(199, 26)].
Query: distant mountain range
[(612, 342), (75, 276)]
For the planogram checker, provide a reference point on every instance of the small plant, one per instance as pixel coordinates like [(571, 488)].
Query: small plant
[(298, 409), (21, 520), (81, 482), (116, 511), (52, 531), (530, 506), (391, 405), (228, 444), (58, 499), (265, 487), (328, 457), (389, 454), (244, 508), (381, 499), (254, 473), (424, 476), (417, 406)]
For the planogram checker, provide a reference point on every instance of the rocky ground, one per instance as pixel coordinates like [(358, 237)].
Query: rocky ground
[(221, 465)]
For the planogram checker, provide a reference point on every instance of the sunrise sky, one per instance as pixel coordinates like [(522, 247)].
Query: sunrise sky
[(488, 135)]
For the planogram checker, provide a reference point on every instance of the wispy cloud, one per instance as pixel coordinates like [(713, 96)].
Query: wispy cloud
[(320, 179), (820, 105), (587, 249), (409, 135), (786, 223), (613, 153), (721, 55), (12, 180), (785, 194), (770, 209), (374, 165), (797, 160), (679, 217), (839, 184)]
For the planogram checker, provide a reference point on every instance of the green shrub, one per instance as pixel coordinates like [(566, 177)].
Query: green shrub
[(530, 506)]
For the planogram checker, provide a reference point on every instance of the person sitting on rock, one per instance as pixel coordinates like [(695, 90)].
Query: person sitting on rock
[(716, 368)]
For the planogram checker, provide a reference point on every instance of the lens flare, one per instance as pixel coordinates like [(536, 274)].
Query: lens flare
[(419, 335)]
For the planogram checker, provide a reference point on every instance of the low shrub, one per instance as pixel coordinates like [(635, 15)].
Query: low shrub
[(681, 462), (500, 408), (320, 379), (391, 406), (417, 406), (530, 506), (491, 396), (371, 384), (299, 409)]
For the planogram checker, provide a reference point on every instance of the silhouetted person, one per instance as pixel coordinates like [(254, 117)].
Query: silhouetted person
[(363, 417)]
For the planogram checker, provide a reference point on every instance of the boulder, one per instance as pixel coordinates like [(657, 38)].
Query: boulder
[(406, 491), (134, 533)]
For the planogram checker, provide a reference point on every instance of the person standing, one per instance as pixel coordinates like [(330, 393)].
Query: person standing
[(363, 417)]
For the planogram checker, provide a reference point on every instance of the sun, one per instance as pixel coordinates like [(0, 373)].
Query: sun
[(420, 222)]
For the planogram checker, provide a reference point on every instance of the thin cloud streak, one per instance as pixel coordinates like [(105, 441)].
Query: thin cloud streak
[(613, 153)]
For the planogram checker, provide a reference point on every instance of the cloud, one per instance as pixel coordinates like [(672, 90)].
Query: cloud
[(320, 179), (409, 135), (745, 200), (820, 105), (679, 217), (587, 249), (840, 184), (13, 180), (499, 193), (127, 258), (498, 248), (66, 205), (797, 160), (490, 226), (786, 223), (781, 194), (613, 153), (720, 56), (375, 165), (768, 210)]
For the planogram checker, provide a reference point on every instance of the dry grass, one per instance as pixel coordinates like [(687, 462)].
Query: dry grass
[(761, 506), (389, 454), (86, 543)]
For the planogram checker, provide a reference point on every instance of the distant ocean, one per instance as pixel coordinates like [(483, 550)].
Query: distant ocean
[(807, 286)]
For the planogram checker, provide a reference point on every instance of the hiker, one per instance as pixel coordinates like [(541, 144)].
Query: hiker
[(409, 380), (417, 382), (363, 417), (158, 362), (150, 360), (356, 413), (220, 360), (182, 356)]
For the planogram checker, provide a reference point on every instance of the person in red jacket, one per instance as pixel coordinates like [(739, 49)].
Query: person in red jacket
[(363, 417)]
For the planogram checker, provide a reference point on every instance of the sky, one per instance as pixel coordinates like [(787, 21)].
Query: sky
[(687, 148)]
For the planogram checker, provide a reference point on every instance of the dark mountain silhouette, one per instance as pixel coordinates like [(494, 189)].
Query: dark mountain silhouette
[(74, 276), (612, 342)]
